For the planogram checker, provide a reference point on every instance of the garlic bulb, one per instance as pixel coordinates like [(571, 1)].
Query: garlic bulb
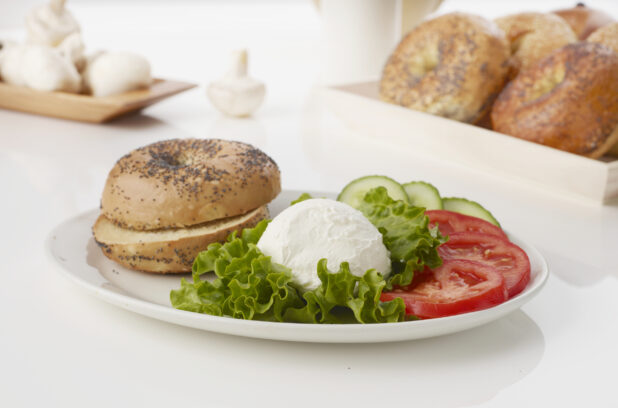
[(236, 94), (72, 48), (39, 67), (11, 63), (49, 24), (4, 45), (110, 73)]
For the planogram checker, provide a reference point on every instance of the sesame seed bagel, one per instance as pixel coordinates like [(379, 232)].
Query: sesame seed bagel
[(181, 183), (452, 66), (584, 20), (533, 36), (606, 35), (171, 250), (569, 101)]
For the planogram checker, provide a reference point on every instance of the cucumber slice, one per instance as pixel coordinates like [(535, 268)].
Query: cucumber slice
[(421, 194), (353, 193), (467, 207)]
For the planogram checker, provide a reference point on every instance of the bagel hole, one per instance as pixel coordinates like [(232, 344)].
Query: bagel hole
[(169, 160), (547, 83), (516, 39), (515, 44), (425, 61)]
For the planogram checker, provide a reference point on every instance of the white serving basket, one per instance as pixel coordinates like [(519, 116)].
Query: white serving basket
[(359, 106)]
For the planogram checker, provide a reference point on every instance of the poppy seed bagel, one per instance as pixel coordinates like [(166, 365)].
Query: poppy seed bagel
[(606, 35), (569, 101), (533, 36), (584, 20), (166, 202), (452, 66)]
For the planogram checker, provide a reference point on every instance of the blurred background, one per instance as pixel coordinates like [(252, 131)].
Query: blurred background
[(191, 39)]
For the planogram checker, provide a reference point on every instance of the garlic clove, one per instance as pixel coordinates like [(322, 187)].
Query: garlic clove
[(45, 69), (72, 48), (11, 64), (38, 67), (237, 94), (49, 24), (110, 73)]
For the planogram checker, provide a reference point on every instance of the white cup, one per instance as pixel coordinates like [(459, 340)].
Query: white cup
[(359, 35)]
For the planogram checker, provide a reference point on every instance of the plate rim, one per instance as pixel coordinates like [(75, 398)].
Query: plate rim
[(300, 332)]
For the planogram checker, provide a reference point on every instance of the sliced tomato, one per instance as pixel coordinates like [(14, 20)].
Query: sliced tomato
[(458, 286), (507, 258), (450, 222)]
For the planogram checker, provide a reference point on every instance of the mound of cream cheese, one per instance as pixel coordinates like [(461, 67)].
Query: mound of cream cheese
[(313, 229)]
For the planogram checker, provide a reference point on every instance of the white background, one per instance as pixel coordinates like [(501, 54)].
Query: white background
[(60, 347)]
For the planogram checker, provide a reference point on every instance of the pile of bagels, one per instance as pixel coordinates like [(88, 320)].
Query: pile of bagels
[(164, 203), (549, 78)]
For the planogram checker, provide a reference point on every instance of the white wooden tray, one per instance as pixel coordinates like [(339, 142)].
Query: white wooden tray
[(359, 106)]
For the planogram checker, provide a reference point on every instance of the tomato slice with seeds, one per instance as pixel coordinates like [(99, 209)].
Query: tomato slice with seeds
[(450, 222), (458, 286), (507, 258)]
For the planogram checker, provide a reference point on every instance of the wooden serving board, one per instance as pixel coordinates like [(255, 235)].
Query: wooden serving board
[(471, 146), (87, 108)]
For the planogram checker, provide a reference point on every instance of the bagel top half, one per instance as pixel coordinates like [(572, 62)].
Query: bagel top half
[(182, 183)]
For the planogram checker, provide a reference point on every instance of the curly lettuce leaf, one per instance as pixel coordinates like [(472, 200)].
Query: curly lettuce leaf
[(249, 286), (405, 232), (344, 292), (301, 198)]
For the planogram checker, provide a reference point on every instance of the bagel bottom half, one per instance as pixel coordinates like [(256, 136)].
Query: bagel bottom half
[(167, 250)]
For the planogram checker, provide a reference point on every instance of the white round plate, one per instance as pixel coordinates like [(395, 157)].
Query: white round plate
[(71, 245)]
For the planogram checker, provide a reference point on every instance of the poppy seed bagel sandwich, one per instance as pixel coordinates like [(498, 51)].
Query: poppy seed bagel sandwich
[(164, 203)]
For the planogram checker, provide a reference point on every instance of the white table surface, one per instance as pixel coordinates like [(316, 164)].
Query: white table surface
[(61, 347)]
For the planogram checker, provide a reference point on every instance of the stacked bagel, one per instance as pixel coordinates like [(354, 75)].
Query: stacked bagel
[(547, 78), (164, 203)]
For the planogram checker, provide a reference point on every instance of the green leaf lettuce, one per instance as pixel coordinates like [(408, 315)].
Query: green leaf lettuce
[(405, 234), (248, 285)]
